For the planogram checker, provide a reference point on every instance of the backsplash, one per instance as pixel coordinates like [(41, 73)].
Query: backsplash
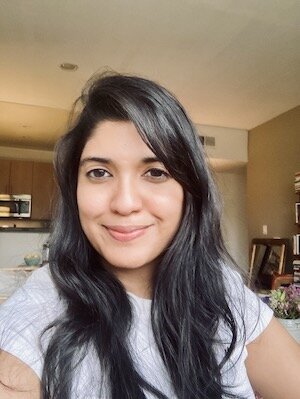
[(14, 246)]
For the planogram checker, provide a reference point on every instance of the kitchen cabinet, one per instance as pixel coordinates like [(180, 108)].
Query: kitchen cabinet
[(16, 177), (21, 177), (4, 176), (43, 190), (29, 177)]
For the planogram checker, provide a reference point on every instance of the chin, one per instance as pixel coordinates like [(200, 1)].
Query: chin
[(128, 264)]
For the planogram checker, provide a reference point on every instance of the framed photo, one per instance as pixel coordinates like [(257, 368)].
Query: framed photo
[(267, 261), (297, 212)]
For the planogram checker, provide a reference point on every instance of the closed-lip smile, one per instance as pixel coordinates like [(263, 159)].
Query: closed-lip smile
[(126, 233)]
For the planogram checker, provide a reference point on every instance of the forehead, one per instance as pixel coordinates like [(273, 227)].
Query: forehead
[(116, 137)]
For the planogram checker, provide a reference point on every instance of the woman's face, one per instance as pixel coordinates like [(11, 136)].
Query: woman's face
[(129, 206)]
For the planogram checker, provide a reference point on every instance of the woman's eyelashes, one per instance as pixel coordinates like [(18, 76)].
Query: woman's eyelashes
[(157, 174), (153, 174), (98, 173)]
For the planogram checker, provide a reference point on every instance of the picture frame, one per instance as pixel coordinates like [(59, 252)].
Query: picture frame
[(297, 212), (268, 258)]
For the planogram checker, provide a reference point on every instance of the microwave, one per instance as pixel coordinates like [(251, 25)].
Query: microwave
[(15, 206)]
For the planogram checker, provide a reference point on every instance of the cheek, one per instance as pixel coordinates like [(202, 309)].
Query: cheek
[(89, 204), (169, 204)]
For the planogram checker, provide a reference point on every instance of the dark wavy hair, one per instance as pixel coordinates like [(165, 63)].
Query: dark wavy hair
[(189, 295)]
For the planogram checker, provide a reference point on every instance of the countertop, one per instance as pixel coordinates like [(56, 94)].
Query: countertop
[(21, 268), (22, 229), (23, 225)]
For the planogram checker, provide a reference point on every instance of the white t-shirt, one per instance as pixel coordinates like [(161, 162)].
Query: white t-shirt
[(33, 306)]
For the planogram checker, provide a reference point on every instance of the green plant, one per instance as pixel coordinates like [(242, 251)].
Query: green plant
[(285, 302)]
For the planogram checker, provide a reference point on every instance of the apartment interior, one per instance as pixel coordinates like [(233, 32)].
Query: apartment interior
[(235, 66)]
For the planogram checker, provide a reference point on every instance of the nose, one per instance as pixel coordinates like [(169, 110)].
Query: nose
[(126, 197)]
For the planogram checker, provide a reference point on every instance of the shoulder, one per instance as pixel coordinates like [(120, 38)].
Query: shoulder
[(251, 314), (24, 317), (273, 363), (36, 301), (40, 285)]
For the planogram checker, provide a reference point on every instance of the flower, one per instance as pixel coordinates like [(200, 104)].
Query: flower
[(285, 302)]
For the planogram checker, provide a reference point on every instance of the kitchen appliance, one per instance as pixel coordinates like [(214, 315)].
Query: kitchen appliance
[(15, 206)]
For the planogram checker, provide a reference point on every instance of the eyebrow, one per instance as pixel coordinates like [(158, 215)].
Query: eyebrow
[(151, 160), (94, 159), (107, 161)]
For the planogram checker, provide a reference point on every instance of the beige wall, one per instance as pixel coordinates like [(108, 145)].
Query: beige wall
[(232, 186), (26, 154), (230, 143), (273, 159)]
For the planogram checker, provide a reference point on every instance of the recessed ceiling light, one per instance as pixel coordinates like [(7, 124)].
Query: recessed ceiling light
[(67, 66)]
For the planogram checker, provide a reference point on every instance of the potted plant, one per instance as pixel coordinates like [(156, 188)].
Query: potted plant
[(285, 302)]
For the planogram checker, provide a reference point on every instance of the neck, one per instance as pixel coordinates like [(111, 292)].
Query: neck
[(138, 281)]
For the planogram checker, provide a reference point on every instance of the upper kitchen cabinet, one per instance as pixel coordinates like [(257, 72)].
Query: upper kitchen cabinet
[(4, 176), (29, 177), (43, 190), (21, 177), (15, 177)]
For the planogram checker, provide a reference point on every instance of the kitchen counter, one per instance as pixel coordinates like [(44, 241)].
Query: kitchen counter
[(22, 229), (21, 268), (32, 225)]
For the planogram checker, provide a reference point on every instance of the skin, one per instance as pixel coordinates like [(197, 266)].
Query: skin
[(130, 210), (273, 363), (129, 206), (18, 381)]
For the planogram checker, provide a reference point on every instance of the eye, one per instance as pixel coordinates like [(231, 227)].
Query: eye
[(98, 173), (157, 174)]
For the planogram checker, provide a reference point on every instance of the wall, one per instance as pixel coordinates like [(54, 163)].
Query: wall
[(14, 246), (231, 144), (232, 186), (229, 159), (26, 154), (274, 157)]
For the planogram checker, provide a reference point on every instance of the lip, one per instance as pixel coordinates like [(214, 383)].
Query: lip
[(126, 233)]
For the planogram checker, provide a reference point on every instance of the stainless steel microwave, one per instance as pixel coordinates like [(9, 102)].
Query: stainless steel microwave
[(15, 206)]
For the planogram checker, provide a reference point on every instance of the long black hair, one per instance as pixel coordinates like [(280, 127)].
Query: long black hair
[(189, 296)]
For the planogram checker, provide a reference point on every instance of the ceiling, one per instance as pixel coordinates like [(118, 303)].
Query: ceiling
[(231, 63)]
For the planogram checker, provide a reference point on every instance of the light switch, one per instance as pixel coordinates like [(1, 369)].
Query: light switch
[(265, 229)]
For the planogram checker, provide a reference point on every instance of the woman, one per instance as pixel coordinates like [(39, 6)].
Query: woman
[(140, 299)]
